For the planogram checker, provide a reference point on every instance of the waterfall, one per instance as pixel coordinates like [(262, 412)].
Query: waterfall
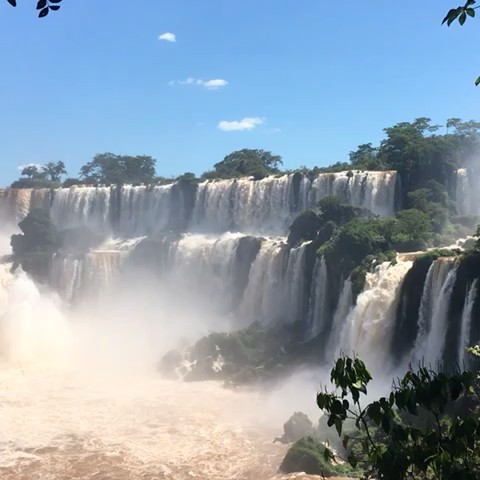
[(264, 206), (318, 299), (369, 326), (261, 206), (87, 276), (371, 190), (344, 307), (82, 206), (432, 296), (467, 192), (294, 285), (33, 329), (264, 297), (435, 340), (207, 265), (14, 205), (466, 322)]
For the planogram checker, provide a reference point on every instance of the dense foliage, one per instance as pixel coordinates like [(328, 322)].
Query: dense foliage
[(108, 168), (246, 162), (427, 428), (41, 176)]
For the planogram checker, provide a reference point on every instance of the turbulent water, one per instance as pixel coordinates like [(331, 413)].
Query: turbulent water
[(369, 327), (79, 399)]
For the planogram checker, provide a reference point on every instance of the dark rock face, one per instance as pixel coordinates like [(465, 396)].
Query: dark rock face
[(241, 357), (305, 227), (296, 427)]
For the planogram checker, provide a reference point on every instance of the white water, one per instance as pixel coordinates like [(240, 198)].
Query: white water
[(435, 341), (318, 299), (344, 307), (265, 206), (431, 296), (264, 296), (80, 399), (468, 193), (369, 327), (467, 322)]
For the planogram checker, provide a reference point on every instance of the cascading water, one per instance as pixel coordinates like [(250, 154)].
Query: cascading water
[(369, 326), (467, 192), (244, 205), (433, 301), (466, 323), (436, 337), (264, 296), (33, 330), (344, 307), (318, 300), (374, 191)]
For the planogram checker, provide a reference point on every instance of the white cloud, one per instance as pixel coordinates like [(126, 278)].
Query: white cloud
[(248, 123), (168, 37), (213, 84)]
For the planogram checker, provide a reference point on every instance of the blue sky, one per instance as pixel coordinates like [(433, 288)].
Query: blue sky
[(312, 78)]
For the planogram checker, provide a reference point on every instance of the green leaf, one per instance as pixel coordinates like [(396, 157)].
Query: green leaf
[(471, 12), (477, 82), (54, 7), (462, 18), (41, 4), (43, 13), (451, 15), (13, 3)]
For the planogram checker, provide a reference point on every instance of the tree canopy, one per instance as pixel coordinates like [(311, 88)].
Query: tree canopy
[(108, 168), (38, 176), (257, 163)]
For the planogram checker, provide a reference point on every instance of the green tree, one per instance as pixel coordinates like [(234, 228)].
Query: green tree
[(38, 176), (366, 158), (34, 171), (434, 201), (427, 428), (246, 162), (411, 231), (55, 170), (114, 169)]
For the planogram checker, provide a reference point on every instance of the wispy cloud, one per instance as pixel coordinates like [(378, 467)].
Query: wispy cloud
[(213, 84), (248, 123), (168, 37)]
